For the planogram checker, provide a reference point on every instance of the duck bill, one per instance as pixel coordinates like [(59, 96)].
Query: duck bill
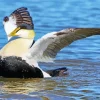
[(13, 33)]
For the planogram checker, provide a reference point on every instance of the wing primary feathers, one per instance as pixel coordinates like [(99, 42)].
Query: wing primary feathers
[(23, 18), (20, 9)]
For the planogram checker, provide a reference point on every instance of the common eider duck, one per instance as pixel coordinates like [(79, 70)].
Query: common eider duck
[(44, 49), (20, 22)]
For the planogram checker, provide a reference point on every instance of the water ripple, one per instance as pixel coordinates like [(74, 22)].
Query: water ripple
[(81, 57)]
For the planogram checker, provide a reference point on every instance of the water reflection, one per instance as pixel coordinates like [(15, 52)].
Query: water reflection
[(26, 86)]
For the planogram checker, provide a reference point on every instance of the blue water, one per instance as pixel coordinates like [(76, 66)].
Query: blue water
[(81, 57)]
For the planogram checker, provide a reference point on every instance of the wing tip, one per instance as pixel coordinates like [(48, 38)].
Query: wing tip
[(21, 9)]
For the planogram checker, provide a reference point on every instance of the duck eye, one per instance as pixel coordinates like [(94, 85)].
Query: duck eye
[(6, 19)]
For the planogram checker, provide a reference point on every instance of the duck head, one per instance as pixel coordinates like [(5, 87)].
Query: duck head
[(19, 23)]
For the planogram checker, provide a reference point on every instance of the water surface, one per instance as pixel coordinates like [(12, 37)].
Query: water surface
[(82, 57)]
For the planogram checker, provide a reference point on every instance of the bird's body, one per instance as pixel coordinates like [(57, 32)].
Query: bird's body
[(44, 50), (15, 67)]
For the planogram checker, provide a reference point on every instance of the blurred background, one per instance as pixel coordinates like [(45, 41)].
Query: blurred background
[(81, 58)]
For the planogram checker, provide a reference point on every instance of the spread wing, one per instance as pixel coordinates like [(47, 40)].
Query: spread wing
[(22, 17), (46, 48)]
